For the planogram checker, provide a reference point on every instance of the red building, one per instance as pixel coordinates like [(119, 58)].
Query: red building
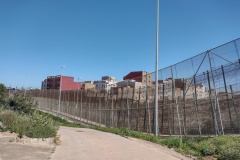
[(67, 83), (139, 76)]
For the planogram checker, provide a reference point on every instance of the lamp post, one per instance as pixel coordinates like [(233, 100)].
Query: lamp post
[(60, 90), (156, 75), (9, 90), (25, 87)]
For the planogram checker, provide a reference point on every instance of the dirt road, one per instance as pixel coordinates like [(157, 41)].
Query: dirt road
[(87, 144)]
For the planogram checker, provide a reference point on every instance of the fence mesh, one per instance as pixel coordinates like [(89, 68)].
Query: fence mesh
[(198, 96)]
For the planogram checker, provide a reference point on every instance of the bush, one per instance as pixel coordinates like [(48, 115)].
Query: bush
[(14, 122), (207, 148), (41, 126), (227, 147), (22, 104), (3, 95), (8, 118), (58, 121), (33, 125), (172, 142)]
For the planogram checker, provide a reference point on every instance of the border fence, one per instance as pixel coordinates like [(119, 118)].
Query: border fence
[(198, 96)]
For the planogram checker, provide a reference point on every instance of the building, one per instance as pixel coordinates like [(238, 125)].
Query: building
[(130, 83), (139, 76), (106, 83), (44, 84), (176, 88), (87, 85), (67, 83)]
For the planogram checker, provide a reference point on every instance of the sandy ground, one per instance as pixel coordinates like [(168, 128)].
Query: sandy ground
[(18, 151), (87, 144)]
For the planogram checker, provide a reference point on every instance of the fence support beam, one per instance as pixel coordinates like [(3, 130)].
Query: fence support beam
[(228, 106), (216, 104), (196, 105), (235, 109), (213, 110)]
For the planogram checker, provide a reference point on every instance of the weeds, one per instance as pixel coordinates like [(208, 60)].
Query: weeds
[(41, 126), (33, 125), (59, 121), (57, 140)]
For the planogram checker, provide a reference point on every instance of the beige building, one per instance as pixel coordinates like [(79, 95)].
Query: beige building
[(87, 85), (170, 89), (106, 83), (139, 76)]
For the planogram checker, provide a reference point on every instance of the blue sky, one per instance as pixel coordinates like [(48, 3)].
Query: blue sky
[(93, 38)]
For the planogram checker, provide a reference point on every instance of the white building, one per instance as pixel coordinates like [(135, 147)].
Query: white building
[(130, 83), (106, 83)]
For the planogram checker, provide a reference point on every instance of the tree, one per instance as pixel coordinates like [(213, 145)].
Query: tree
[(3, 95), (22, 104)]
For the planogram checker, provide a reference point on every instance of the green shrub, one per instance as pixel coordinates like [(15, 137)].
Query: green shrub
[(3, 95), (207, 148), (8, 118), (15, 122), (22, 104), (172, 142), (33, 125), (227, 147), (41, 126), (59, 121), (125, 132)]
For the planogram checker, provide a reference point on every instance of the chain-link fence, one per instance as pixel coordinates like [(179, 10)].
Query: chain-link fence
[(198, 96)]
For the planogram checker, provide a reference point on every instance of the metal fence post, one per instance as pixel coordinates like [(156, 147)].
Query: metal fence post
[(112, 107), (196, 105), (138, 104), (225, 87), (184, 108), (216, 104), (163, 103), (147, 103), (173, 101), (128, 113), (213, 109), (235, 109), (100, 110)]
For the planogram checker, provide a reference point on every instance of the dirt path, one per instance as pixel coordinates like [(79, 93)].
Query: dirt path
[(18, 151), (87, 144)]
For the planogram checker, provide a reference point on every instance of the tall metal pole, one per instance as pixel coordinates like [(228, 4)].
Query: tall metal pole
[(60, 91), (216, 103), (156, 75), (25, 87)]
